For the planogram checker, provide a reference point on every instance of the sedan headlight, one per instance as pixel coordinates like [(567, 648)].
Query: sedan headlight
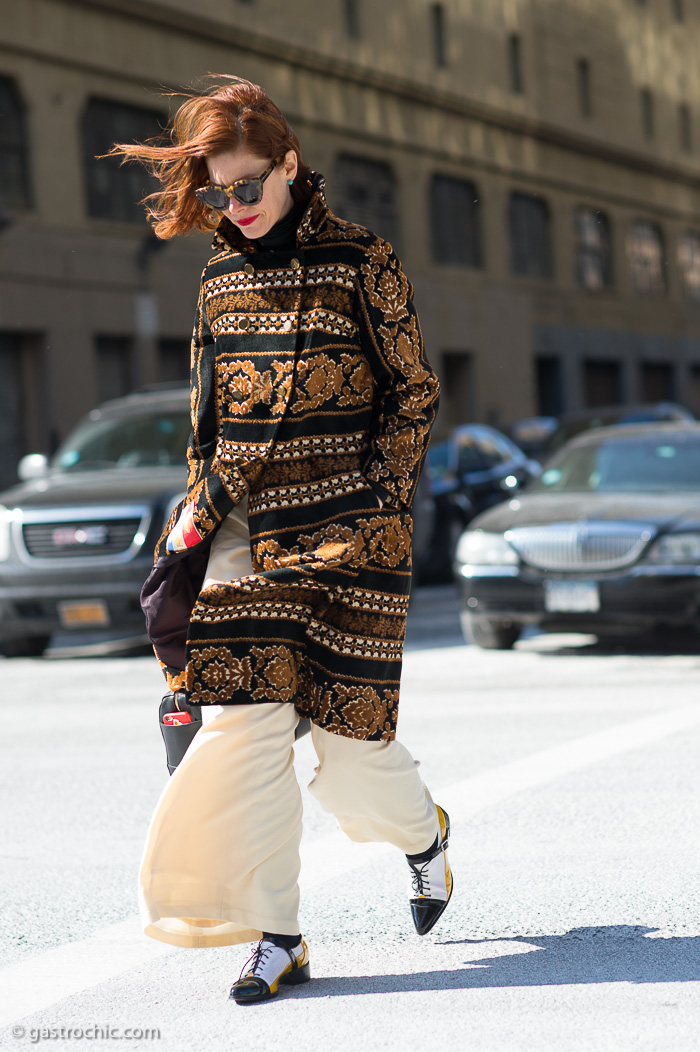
[(675, 548), (478, 548), (5, 520)]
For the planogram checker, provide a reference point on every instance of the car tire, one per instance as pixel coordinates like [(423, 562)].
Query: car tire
[(489, 635), (29, 646)]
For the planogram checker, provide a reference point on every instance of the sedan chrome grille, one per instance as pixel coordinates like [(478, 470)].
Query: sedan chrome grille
[(580, 545)]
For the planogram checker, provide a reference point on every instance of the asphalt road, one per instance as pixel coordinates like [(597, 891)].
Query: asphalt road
[(570, 774)]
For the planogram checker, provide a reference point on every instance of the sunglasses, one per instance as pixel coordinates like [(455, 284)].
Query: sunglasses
[(247, 191)]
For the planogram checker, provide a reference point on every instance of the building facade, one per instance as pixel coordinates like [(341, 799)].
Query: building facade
[(536, 163)]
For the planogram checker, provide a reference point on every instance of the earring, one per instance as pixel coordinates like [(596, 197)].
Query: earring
[(290, 181)]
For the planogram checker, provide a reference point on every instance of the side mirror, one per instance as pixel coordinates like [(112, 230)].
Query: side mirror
[(33, 466)]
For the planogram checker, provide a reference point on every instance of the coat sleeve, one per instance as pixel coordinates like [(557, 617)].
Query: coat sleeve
[(407, 389), (214, 485)]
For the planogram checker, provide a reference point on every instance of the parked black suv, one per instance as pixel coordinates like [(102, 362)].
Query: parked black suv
[(77, 536)]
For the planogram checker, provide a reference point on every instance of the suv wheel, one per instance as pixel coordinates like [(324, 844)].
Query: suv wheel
[(29, 646), (489, 635)]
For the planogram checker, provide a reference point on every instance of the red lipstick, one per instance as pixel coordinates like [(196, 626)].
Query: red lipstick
[(248, 220)]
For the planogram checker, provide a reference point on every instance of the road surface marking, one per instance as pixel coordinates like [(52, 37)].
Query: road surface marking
[(37, 982)]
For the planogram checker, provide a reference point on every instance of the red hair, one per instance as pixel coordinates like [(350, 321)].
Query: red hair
[(234, 113)]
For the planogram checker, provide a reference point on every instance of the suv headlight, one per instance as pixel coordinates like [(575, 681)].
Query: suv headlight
[(675, 548), (478, 548), (5, 520)]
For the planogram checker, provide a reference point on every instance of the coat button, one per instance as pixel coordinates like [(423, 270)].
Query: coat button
[(295, 264), (249, 269), (287, 325), (243, 324)]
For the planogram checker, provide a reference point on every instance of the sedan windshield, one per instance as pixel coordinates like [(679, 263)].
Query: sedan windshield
[(641, 464), (156, 439)]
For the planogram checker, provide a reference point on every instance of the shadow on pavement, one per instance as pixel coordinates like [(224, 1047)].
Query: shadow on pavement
[(617, 954), (660, 644)]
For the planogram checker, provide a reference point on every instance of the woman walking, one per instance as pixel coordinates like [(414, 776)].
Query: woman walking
[(281, 582)]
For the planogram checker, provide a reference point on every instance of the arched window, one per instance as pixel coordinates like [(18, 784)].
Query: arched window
[(113, 190), (366, 194), (14, 175), (689, 263), (646, 257), (455, 222), (530, 244), (593, 260)]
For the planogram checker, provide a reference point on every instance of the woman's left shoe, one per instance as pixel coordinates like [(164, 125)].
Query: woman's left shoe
[(271, 965), (431, 880)]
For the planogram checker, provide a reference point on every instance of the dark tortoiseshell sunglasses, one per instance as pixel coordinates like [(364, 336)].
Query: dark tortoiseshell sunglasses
[(247, 191)]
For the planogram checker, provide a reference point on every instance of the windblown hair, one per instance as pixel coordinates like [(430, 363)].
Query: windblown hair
[(233, 114)]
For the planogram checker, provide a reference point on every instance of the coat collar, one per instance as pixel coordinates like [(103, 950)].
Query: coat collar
[(316, 215)]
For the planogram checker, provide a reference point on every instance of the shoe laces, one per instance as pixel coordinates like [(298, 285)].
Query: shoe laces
[(258, 958), (421, 877)]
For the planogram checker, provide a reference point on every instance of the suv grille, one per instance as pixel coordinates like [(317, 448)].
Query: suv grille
[(580, 546), (89, 537)]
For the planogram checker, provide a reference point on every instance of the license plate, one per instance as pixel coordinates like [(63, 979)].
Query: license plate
[(83, 613), (571, 597)]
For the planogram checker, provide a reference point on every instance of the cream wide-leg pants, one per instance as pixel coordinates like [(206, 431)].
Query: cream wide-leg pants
[(221, 860)]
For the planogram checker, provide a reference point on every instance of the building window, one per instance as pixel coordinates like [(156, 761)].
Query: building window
[(530, 247), (693, 394), (646, 257), (113, 190), (458, 402), (352, 19), (647, 104), (455, 222), (684, 128), (602, 383), (113, 359), (515, 68), (550, 400), (174, 360), (593, 257), (657, 382), (25, 401), (14, 173), (689, 263), (437, 14), (12, 403), (678, 12), (366, 194), (583, 76)]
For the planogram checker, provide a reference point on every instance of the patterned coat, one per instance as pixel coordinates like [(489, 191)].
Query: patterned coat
[(311, 394)]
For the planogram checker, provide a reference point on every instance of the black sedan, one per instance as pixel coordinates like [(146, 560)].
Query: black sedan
[(77, 537), (606, 541), (475, 468)]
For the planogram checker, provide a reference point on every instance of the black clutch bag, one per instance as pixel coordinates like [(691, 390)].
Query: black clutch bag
[(178, 735)]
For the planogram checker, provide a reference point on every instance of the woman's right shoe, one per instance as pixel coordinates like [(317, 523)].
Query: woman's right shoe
[(270, 965), (431, 880)]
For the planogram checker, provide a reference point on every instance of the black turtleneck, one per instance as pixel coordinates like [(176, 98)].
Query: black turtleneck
[(283, 235)]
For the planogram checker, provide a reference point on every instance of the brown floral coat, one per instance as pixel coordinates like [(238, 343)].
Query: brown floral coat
[(310, 394)]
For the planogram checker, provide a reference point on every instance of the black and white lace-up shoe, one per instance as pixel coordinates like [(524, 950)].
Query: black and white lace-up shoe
[(431, 880), (270, 965)]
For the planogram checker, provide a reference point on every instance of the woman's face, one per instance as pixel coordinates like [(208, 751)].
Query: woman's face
[(254, 220)]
